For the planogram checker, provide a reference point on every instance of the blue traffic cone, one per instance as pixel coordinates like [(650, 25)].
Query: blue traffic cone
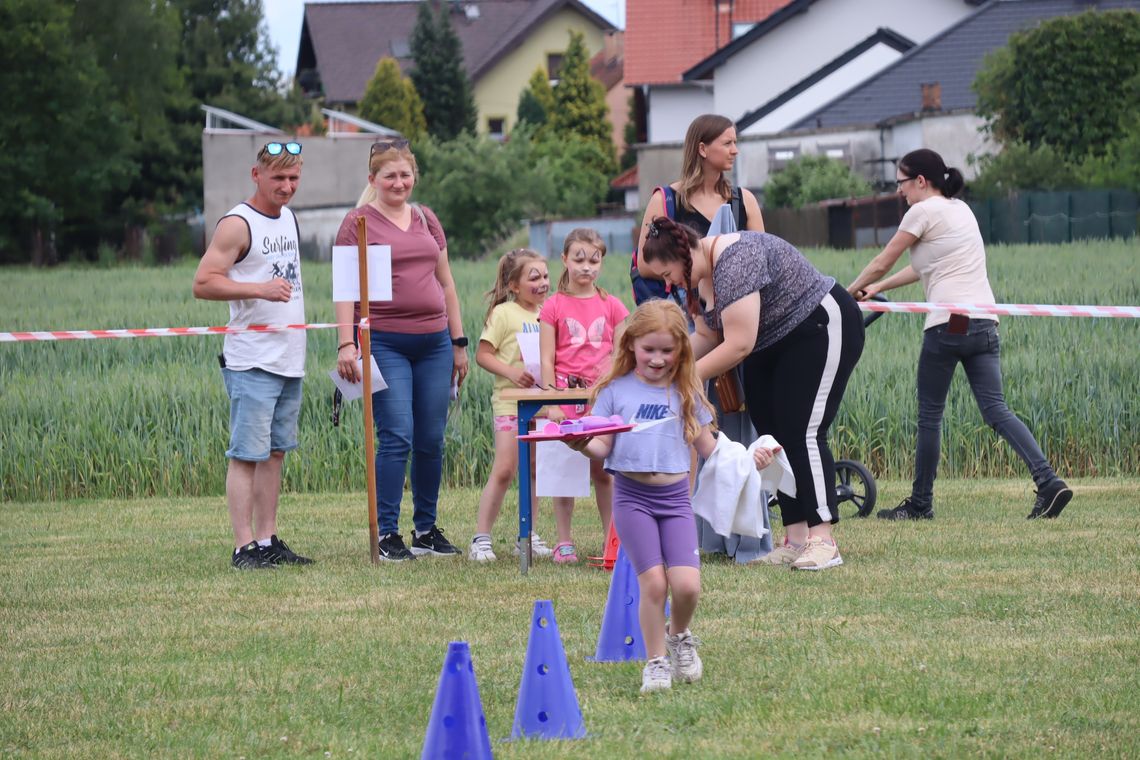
[(620, 638), (457, 728), (548, 705)]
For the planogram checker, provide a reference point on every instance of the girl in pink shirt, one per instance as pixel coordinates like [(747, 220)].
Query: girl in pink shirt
[(576, 339)]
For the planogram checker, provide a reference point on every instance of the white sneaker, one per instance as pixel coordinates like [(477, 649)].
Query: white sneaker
[(818, 555), (480, 550), (538, 547), (657, 675), (783, 554), (682, 649)]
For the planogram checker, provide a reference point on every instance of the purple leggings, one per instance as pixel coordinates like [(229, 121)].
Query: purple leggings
[(655, 524)]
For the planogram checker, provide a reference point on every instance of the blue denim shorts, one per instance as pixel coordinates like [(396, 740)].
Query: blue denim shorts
[(264, 408)]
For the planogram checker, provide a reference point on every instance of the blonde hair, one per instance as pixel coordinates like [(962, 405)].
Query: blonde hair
[(509, 272), (662, 315), (394, 151), (703, 130), (589, 237)]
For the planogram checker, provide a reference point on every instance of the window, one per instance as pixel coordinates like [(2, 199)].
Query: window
[(739, 30), (781, 156), (400, 48), (496, 127), (838, 151), (553, 65)]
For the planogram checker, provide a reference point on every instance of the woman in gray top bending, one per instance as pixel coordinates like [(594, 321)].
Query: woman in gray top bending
[(755, 299)]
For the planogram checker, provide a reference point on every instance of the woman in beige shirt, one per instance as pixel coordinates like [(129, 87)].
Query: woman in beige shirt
[(948, 256)]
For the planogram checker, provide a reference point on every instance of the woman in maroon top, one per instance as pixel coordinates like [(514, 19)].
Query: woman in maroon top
[(418, 343)]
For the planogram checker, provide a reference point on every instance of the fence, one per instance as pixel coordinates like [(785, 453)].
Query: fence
[(547, 237), (1028, 217)]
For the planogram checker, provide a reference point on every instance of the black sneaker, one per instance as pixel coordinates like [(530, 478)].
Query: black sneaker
[(392, 548), (432, 542), (1051, 499), (279, 553), (906, 511), (251, 557)]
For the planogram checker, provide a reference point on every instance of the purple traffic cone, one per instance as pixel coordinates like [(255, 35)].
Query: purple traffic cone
[(548, 705), (457, 727), (620, 638)]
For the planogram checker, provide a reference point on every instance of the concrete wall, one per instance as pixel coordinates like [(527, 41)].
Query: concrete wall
[(334, 173), (954, 136)]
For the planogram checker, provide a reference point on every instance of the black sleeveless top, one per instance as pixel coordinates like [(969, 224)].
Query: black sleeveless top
[(699, 221)]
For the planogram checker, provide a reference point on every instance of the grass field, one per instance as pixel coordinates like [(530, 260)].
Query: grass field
[(105, 419), (976, 635)]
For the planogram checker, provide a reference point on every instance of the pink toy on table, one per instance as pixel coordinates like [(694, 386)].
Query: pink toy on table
[(583, 427)]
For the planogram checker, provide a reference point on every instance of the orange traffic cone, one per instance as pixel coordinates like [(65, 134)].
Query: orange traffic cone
[(609, 556)]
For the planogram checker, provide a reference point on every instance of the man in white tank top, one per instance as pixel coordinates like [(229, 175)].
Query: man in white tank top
[(254, 263)]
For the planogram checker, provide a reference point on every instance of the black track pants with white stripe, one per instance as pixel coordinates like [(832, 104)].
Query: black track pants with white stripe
[(793, 389)]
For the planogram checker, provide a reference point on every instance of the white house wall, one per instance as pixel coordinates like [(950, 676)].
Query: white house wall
[(753, 168), (825, 90), (670, 109), (955, 137), (804, 43)]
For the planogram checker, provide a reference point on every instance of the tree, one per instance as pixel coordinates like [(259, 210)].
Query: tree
[(226, 61), (63, 143), (808, 179), (1019, 166), (580, 103), (1058, 84), (136, 43), (630, 134), (536, 101), (391, 99), (439, 75)]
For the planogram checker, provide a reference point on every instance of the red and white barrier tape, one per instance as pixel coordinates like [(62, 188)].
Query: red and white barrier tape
[(1005, 309), (908, 307), (150, 332)]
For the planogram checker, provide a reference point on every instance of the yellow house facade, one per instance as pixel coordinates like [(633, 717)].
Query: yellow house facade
[(498, 89)]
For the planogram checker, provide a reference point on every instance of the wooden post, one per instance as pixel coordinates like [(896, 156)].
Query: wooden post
[(366, 365)]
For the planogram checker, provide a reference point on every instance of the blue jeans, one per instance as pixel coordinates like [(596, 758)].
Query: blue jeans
[(410, 416), (979, 351)]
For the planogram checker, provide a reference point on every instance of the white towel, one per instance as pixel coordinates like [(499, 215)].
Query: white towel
[(728, 492)]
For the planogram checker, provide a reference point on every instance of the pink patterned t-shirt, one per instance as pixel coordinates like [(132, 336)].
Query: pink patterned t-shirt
[(583, 334)]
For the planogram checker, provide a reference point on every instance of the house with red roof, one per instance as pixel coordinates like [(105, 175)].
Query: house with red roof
[(503, 41)]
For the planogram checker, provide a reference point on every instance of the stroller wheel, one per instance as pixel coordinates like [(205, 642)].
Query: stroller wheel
[(854, 483)]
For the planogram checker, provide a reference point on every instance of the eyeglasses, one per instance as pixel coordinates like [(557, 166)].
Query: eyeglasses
[(899, 182), (383, 145), (276, 148)]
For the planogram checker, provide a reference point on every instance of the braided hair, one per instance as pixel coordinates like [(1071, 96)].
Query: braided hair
[(669, 241)]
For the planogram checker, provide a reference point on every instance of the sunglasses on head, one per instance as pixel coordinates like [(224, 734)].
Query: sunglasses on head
[(383, 145), (276, 148)]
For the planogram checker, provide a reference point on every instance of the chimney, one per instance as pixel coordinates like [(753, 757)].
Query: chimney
[(931, 96), (612, 46)]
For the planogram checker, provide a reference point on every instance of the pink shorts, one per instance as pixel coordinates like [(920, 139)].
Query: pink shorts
[(506, 423)]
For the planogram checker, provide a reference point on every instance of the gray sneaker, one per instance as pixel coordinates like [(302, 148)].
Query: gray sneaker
[(682, 649), (657, 675)]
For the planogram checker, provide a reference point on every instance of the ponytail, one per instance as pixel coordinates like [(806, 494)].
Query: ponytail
[(926, 163)]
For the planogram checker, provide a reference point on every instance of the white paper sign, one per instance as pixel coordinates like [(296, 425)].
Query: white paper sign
[(531, 356), (346, 273), (559, 470), (353, 391)]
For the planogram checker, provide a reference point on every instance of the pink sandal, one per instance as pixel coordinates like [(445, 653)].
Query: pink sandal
[(565, 553)]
